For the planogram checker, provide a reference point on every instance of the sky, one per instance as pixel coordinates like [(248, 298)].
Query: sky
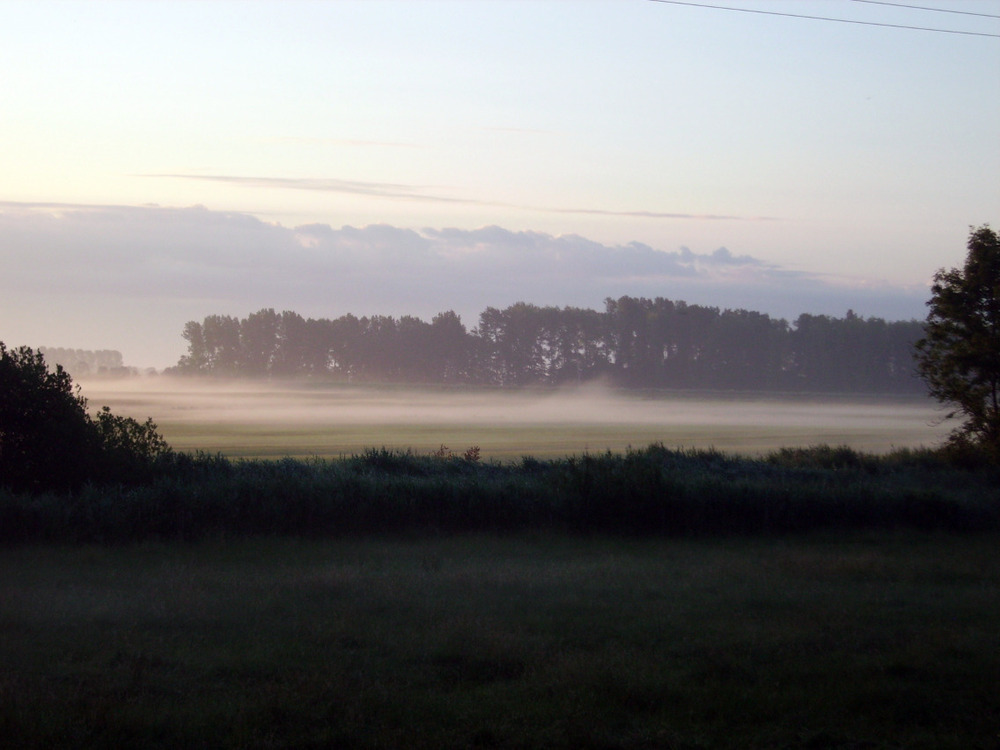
[(165, 161)]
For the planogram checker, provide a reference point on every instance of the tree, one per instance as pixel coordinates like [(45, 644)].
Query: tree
[(959, 355), (450, 346), (258, 342), (48, 440), (45, 434), (196, 360), (127, 449)]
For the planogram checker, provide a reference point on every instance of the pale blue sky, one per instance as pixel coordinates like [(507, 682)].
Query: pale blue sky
[(838, 154)]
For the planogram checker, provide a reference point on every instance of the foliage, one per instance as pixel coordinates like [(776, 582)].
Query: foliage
[(959, 356), (128, 449), (634, 342), (88, 363), (48, 441), (45, 433), (652, 491), (472, 454)]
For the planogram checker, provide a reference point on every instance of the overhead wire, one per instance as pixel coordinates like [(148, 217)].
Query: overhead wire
[(826, 18), (924, 7)]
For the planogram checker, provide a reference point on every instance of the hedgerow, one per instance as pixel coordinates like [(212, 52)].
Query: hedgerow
[(649, 491)]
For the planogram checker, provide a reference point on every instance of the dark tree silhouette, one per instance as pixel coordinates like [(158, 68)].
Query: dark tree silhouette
[(959, 356), (45, 433), (634, 342), (48, 440)]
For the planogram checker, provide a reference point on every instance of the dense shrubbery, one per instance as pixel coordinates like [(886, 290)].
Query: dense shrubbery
[(648, 491), (48, 440)]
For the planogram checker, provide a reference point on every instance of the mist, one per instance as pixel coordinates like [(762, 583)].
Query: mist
[(274, 419)]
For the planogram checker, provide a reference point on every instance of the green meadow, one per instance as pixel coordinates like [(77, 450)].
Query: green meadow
[(261, 420), (560, 589), (852, 641)]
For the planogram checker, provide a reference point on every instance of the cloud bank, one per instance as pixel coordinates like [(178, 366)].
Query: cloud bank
[(128, 278)]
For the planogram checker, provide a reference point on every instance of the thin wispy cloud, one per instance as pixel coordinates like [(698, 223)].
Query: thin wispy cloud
[(657, 214), (395, 191), (352, 142), (352, 187), (501, 129)]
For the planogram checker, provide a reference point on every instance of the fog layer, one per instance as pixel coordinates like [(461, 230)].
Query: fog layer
[(263, 419)]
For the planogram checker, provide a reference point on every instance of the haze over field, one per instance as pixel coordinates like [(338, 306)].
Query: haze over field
[(245, 418), (167, 161)]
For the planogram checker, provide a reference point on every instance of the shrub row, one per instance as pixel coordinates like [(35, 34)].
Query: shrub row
[(643, 491)]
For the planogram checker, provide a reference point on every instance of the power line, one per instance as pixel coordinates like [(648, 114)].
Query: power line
[(824, 18), (923, 7)]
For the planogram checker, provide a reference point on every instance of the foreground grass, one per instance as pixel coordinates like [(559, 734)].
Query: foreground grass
[(653, 491), (548, 641)]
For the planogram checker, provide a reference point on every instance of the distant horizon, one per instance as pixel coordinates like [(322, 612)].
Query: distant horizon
[(198, 262), (169, 160), (470, 323)]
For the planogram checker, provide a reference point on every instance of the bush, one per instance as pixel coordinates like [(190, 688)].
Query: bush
[(48, 441), (128, 450), (45, 433), (653, 491)]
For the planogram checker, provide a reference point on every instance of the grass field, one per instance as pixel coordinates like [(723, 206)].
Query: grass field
[(873, 641), (724, 626), (255, 420)]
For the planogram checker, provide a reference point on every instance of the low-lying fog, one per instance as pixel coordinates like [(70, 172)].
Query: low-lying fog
[(189, 413)]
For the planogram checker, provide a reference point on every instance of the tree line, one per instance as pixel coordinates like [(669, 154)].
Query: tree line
[(634, 342), (82, 363)]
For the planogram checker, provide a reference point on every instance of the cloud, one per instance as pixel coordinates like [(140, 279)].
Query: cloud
[(653, 214), (128, 278), (725, 257), (393, 191), (352, 142), (352, 187)]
